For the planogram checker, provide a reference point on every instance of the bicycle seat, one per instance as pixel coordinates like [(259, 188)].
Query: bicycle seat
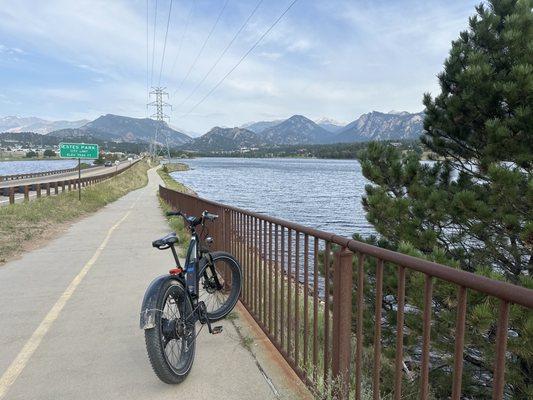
[(165, 241)]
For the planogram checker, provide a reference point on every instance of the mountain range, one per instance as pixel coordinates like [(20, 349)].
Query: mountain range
[(226, 139), (301, 130), (292, 131), (37, 125), (125, 129), (330, 124), (383, 126)]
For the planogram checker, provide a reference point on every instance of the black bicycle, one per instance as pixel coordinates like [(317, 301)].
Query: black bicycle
[(205, 291)]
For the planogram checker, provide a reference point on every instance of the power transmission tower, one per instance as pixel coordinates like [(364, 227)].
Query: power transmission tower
[(160, 142)]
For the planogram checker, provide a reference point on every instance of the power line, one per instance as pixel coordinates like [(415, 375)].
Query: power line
[(153, 46), (242, 58), (183, 36), (221, 54), (203, 46), (165, 43)]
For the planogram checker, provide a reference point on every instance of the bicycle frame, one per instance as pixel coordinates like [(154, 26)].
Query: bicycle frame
[(195, 253), (188, 276)]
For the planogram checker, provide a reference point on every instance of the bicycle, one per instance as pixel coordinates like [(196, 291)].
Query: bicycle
[(205, 291)]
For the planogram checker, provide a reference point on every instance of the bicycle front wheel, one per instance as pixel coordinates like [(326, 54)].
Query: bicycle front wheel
[(220, 285)]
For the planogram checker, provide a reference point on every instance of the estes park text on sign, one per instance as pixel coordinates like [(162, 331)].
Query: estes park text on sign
[(78, 150)]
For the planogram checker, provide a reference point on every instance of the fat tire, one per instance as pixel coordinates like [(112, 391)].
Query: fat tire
[(235, 284), (154, 347)]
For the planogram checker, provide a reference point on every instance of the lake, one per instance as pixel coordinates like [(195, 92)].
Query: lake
[(31, 166), (322, 194)]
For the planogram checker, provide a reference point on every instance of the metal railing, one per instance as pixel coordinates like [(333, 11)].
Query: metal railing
[(55, 187), (13, 177), (307, 290)]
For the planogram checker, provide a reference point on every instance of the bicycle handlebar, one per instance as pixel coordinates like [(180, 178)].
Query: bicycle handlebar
[(191, 220)]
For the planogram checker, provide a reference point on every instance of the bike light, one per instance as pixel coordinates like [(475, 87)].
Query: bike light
[(175, 271)]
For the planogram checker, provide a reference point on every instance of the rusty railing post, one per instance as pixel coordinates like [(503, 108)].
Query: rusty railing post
[(38, 189), (342, 317), (26, 193), (11, 195), (226, 235)]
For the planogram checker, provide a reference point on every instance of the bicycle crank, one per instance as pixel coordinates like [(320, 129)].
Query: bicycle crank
[(202, 317)]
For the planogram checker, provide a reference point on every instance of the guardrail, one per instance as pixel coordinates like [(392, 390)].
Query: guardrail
[(307, 290), (5, 178), (55, 187)]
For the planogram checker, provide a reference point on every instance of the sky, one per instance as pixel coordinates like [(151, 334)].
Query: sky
[(64, 59)]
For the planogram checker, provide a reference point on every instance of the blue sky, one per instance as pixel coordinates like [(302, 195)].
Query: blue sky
[(64, 59)]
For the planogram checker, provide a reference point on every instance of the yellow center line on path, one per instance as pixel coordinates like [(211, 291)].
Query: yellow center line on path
[(17, 366)]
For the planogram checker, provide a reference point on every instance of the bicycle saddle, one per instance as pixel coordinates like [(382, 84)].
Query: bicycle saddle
[(166, 241)]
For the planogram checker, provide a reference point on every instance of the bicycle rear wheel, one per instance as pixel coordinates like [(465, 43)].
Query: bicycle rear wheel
[(220, 285), (171, 343)]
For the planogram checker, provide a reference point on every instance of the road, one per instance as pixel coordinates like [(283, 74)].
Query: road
[(69, 315), (19, 197), (64, 176)]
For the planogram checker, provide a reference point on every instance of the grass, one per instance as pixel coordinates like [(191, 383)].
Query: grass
[(176, 223), (165, 171), (174, 167), (39, 218)]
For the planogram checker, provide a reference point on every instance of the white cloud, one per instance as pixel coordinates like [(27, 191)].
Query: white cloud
[(301, 45), (337, 58), (270, 55)]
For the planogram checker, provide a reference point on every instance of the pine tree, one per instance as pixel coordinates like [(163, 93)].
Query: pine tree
[(472, 207)]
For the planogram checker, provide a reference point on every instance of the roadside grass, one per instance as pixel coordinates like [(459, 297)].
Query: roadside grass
[(37, 219), (165, 171), (173, 167), (175, 223)]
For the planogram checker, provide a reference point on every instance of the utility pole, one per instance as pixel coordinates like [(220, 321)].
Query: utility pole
[(160, 140)]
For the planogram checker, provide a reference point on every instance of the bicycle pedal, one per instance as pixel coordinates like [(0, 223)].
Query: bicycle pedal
[(216, 330)]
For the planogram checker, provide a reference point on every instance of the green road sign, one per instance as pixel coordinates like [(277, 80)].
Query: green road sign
[(78, 150)]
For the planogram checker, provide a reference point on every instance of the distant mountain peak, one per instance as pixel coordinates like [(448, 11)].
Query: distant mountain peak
[(297, 130), (377, 125), (398, 112), (332, 121), (119, 128), (16, 123), (226, 139)]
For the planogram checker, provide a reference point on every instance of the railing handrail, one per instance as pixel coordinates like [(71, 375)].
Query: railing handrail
[(4, 178), (37, 186), (502, 290)]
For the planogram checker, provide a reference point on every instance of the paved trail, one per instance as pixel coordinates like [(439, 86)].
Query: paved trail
[(69, 315)]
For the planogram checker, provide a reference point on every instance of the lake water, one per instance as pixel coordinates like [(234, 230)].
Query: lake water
[(322, 194), (30, 166)]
